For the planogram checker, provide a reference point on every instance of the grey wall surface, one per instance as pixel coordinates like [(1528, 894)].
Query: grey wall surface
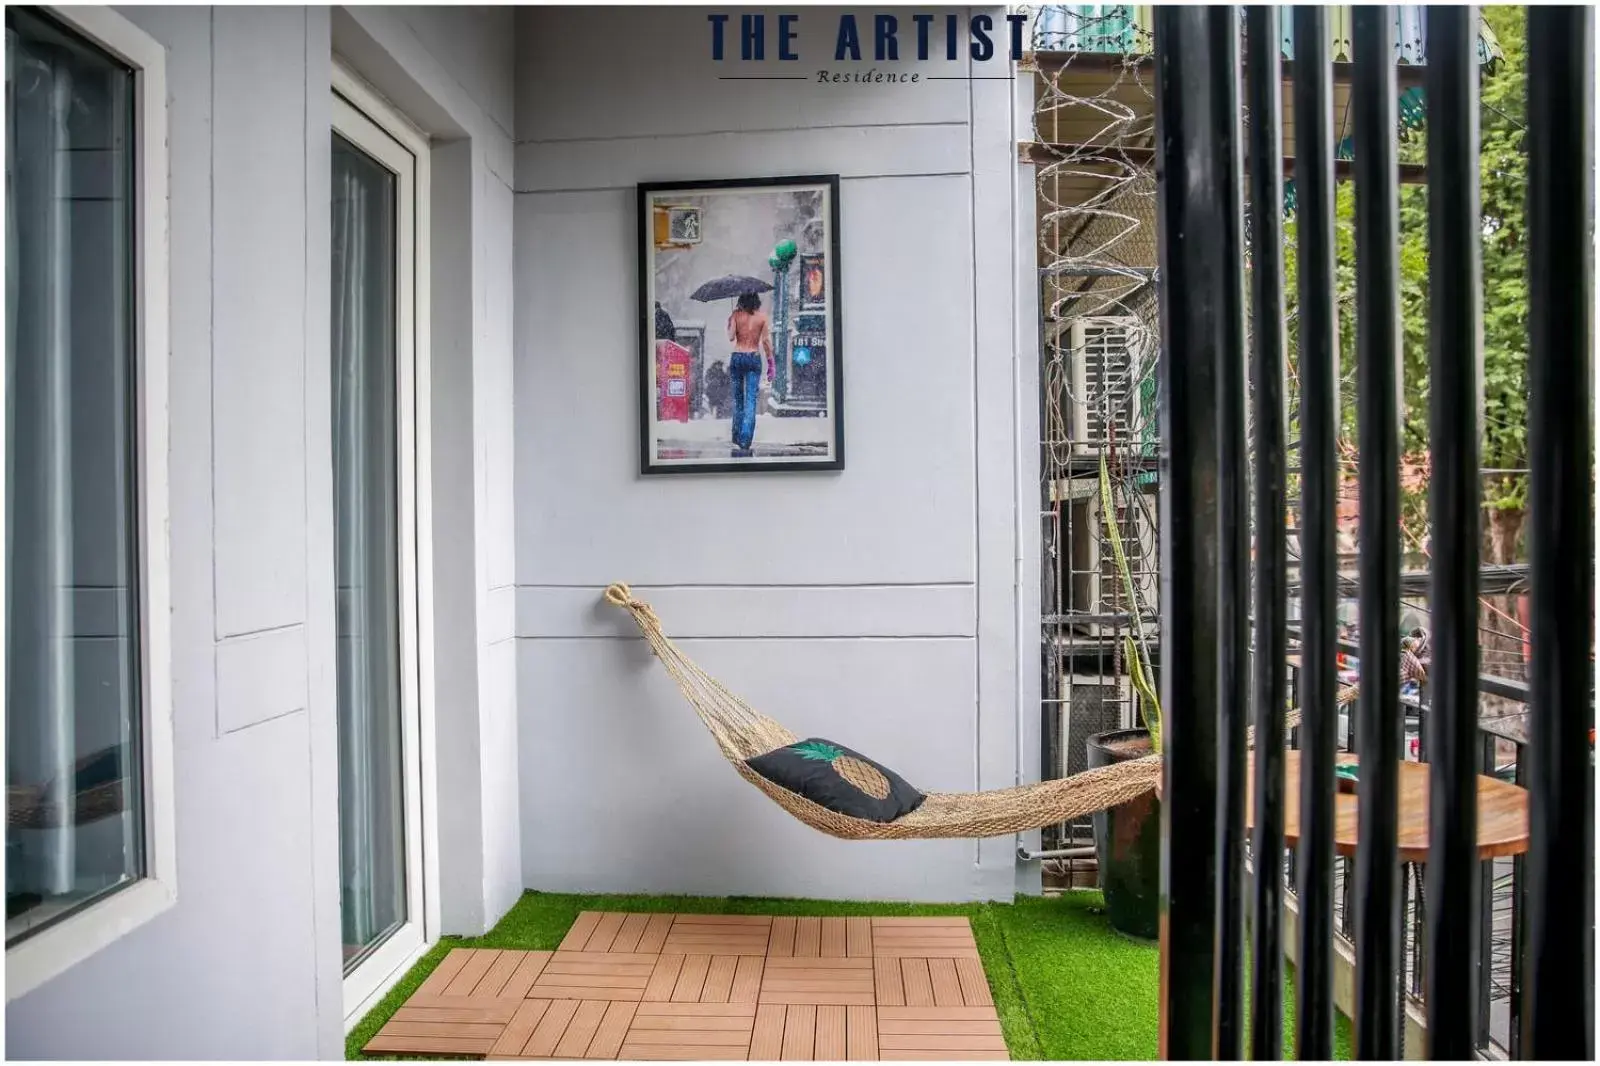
[(247, 964), (878, 606)]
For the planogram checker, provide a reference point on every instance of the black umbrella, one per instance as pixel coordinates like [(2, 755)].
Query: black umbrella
[(726, 287)]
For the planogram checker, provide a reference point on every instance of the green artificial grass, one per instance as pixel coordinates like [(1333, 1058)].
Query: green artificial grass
[(1066, 986)]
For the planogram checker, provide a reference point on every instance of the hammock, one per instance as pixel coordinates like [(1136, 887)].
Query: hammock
[(742, 733)]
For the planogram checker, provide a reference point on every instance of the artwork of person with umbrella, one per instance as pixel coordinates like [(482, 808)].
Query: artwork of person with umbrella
[(733, 378), (750, 332)]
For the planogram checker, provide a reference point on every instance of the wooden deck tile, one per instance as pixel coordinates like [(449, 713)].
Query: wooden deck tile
[(712, 987), (437, 981), (766, 1042), (833, 938), (691, 979), (919, 983), (830, 1046), (608, 1038), (781, 943), (858, 938), (515, 1036), (690, 1031), (808, 937), (974, 983), (664, 978), (861, 1033), (946, 985), (463, 1007), (799, 1033), (890, 984), (655, 933), (692, 937), (627, 939), (747, 980), (582, 929), (719, 978), (580, 1032)]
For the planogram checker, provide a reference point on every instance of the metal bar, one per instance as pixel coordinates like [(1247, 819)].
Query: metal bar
[(1196, 60), (1482, 1037), (1264, 99), (1455, 367), (1559, 1012), (1519, 918), (1319, 460), (1377, 717), (1233, 569)]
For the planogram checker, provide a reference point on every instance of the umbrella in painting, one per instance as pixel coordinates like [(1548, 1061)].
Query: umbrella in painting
[(729, 286)]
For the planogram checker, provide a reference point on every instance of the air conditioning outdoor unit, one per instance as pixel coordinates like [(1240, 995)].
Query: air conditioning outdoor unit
[(1097, 586), (1090, 704), (1109, 357)]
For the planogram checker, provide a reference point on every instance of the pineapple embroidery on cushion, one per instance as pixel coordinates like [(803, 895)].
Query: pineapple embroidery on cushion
[(860, 774), (839, 779)]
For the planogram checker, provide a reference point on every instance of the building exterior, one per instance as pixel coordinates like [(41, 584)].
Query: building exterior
[(308, 665)]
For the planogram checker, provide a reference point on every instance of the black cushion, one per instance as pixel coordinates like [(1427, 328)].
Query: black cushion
[(833, 776)]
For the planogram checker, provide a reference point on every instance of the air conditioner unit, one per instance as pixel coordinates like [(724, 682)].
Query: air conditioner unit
[(1096, 585), (1109, 357), (1090, 704)]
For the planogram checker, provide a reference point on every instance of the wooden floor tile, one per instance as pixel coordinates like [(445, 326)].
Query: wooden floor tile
[(690, 1031), (462, 1007), (609, 1037), (691, 987), (766, 1042), (799, 1033), (830, 1045)]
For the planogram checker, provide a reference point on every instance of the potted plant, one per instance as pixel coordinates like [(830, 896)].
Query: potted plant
[(1127, 838)]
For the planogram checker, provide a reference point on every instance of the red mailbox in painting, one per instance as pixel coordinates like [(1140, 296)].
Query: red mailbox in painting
[(672, 381)]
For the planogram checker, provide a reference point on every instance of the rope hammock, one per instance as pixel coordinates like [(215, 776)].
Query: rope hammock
[(742, 733)]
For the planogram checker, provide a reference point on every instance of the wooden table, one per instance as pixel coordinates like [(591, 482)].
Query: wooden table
[(1502, 812)]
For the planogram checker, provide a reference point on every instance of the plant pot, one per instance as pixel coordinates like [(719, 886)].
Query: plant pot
[(1127, 842)]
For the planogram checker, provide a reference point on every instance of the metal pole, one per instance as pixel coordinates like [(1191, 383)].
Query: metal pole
[(1196, 57), (1264, 92), (1379, 725), (1455, 367), (1233, 558), (1319, 427), (1559, 1015)]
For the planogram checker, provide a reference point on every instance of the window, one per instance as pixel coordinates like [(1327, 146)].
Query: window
[(87, 753), (378, 308)]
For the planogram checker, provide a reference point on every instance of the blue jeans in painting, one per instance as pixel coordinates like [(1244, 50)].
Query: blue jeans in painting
[(744, 370)]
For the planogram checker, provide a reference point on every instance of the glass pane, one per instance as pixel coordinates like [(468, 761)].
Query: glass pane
[(366, 545), (74, 816)]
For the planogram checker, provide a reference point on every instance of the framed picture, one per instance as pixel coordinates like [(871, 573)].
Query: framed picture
[(739, 337)]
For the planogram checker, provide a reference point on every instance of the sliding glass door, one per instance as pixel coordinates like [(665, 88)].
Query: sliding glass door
[(373, 303)]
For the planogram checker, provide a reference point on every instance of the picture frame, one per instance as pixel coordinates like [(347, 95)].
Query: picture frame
[(756, 385)]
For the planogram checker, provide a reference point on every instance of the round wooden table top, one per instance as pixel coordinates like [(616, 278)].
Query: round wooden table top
[(1502, 812)]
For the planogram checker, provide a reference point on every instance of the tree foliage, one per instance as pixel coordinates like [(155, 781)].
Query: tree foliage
[(1503, 181)]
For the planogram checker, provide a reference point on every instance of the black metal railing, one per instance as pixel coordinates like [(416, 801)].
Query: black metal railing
[(1204, 479), (1502, 743)]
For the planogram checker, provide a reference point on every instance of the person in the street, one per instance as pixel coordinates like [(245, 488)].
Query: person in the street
[(751, 334), (717, 389)]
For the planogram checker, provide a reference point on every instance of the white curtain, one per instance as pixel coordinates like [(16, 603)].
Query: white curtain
[(40, 742), (366, 545)]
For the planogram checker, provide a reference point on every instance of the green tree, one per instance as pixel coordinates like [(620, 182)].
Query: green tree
[(1503, 180)]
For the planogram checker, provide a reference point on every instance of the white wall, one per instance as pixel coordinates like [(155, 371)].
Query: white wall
[(247, 964), (879, 606)]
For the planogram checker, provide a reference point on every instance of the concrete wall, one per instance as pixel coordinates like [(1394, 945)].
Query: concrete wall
[(247, 964), (878, 606)]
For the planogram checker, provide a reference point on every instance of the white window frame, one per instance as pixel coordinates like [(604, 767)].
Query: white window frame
[(364, 118), (56, 948)]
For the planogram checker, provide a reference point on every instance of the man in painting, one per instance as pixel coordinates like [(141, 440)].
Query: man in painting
[(751, 334)]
